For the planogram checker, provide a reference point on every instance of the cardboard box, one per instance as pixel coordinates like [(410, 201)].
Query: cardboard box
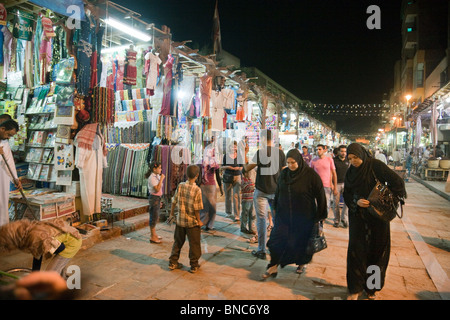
[(48, 211), (66, 208)]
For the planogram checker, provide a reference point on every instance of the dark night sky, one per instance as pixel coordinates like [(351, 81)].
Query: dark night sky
[(320, 50)]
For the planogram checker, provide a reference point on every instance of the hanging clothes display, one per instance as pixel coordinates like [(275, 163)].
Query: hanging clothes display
[(102, 105), (195, 105), (125, 174), (217, 110), (129, 132), (229, 99), (94, 70), (45, 58), (187, 90), (108, 73), (1, 43), (84, 39), (205, 91), (174, 162), (130, 70), (90, 159), (152, 70), (7, 49), (167, 89), (165, 127), (120, 69), (241, 99)]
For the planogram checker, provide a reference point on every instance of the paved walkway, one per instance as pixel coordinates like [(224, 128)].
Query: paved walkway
[(129, 267)]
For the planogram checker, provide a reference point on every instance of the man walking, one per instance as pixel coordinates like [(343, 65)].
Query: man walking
[(270, 161), (324, 166), (306, 155), (341, 164)]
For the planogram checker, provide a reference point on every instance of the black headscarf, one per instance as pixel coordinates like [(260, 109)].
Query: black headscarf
[(359, 177), (290, 176)]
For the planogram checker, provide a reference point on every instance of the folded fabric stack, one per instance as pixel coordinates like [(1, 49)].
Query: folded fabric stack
[(132, 105), (132, 94), (139, 115)]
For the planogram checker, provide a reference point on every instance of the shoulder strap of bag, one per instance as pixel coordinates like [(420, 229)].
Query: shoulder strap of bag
[(376, 179)]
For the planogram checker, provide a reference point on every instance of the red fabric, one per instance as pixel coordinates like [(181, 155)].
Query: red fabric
[(93, 70)]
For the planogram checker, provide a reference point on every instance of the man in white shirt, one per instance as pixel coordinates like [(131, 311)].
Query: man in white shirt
[(426, 153), (397, 158), (380, 156), (8, 129)]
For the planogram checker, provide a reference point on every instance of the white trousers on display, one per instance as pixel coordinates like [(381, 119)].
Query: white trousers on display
[(91, 178)]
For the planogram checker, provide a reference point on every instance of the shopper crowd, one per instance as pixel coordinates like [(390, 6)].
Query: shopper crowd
[(281, 200)]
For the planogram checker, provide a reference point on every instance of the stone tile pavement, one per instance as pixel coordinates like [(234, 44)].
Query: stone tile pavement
[(128, 267)]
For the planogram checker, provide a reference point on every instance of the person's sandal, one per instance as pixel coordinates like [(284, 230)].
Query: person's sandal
[(270, 273), (301, 269)]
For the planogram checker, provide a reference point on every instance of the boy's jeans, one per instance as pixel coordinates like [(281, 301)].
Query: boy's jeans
[(248, 216)]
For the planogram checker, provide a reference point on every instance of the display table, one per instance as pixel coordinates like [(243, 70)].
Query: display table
[(436, 174), (46, 206)]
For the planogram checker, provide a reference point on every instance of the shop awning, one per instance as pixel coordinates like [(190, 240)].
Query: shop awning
[(429, 101), (66, 8)]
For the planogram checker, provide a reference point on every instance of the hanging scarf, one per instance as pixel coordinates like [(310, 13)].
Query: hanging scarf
[(85, 138)]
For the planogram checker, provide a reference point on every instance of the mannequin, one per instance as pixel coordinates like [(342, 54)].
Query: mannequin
[(153, 62), (130, 72)]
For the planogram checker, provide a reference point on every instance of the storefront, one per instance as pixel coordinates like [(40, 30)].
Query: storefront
[(128, 96)]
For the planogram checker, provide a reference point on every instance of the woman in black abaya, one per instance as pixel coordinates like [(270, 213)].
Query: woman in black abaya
[(369, 236), (299, 203)]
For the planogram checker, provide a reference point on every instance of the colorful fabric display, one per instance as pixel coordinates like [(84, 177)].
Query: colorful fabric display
[(129, 132), (165, 126), (131, 94), (138, 104), (173, 166), (102, 105), (127, 167)]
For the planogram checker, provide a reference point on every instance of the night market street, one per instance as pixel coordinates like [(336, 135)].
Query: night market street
[(128, 267)]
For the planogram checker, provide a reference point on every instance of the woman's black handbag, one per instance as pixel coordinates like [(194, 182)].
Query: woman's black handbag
[(317, 242), (228, 178), (383, 203)]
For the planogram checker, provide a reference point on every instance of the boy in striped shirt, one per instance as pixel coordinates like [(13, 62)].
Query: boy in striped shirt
[(188, 197)]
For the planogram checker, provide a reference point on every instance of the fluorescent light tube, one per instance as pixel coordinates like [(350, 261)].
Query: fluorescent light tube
[(128, 30)]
